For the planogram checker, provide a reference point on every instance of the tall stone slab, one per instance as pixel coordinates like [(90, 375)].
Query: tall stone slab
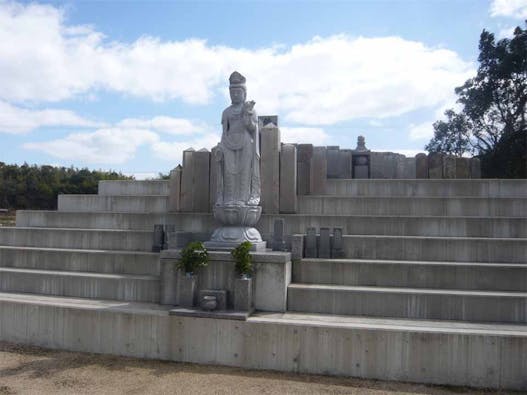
[(187, 179), (201, 181), (421, 166), (174, 189), (435, 165), (288, 173), (449, 167), (213, 176), (270, 169), (318, 172), (462, 168), (311, 243), (333, 160), (475, 168), (400, 166), (345, 164), (409, 168), (303, 171)]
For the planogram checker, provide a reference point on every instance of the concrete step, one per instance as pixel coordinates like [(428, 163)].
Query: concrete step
[(111, 262), (435, 275), (96, 239), (444, 249), (454, 353), (410, 206), (132, 187), (429, 188), (124, 287), (411, 303), (123, 204), (191, 222), (507, 227)]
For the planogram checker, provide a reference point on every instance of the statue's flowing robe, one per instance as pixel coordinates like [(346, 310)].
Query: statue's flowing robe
[(239, 157)]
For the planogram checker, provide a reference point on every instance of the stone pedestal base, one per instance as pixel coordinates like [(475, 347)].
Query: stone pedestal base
[(229, 237), (228, 246)]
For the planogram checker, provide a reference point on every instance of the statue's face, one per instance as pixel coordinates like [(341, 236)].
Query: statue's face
[(237, 95)]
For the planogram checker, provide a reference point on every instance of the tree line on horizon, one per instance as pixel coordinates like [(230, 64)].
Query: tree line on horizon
[(37, 187), (491, 121)]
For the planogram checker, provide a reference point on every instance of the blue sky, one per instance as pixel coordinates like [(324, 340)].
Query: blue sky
[(129, 85)]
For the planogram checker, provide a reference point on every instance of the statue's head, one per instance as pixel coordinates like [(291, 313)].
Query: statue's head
[(237, 88)]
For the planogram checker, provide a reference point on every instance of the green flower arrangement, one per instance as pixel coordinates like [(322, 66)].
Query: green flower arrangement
[(242, 259), (193, 256)]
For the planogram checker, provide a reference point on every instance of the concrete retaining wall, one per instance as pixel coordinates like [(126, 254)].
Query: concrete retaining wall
[(158, 187), (454, 356), (118, 204)]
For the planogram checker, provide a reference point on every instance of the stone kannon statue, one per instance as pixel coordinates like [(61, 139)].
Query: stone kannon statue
[(237, 160)]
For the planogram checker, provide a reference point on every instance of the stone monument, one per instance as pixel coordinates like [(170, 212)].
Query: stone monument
[(237, 156)]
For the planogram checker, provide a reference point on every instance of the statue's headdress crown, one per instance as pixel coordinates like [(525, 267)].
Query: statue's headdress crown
[(236, 79)]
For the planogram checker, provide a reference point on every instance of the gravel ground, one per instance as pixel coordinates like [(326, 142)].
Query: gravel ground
[(33, 370)]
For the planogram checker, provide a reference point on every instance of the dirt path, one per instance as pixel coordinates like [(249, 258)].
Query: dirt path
[(32, 370)]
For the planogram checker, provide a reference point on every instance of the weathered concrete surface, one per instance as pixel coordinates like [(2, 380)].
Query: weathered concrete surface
[(412, 274), (396, 225), (148, 187), (123, 204), (409, 303), (435, 165), (451, 353), (429, 188), (125, 287), (450, 206), (96, 261), (201, 181), (97, 239), (272, 275), (421, 166), (187, 181), (453, 249)]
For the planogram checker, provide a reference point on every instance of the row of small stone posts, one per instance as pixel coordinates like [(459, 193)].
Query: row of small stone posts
[(192, 186)]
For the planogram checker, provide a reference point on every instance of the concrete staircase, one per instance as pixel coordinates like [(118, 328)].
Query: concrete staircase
[(433, 267), (434, 250)]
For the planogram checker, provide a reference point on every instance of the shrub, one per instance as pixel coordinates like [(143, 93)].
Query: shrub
[(193, 256), (242, 259)]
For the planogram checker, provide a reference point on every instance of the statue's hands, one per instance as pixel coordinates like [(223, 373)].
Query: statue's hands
[(248, 107)]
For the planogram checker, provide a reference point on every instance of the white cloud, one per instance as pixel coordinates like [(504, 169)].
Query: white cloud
[(16, 120), (509, 8), (422, 131), (506, 32), (173, 150), (143, 175), (164, 124), (319, 82), (303, 135), (104, 146)]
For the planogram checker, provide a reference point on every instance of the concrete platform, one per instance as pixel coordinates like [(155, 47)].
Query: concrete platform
[(411, 303), (413, 274), (98, 239), (116, 204), (76, 260), (420, 206), (487, 356), (125, 287), (451, 249), (429, 188)]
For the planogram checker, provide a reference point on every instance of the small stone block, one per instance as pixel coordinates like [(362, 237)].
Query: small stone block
[(243, 294), (311, 243), (158, 238), (324, 248), (187, 290), (219, 294), (297, 247), (278, 243), (337, 251)]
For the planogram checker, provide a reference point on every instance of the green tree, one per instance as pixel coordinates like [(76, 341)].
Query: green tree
[(491, 122)]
